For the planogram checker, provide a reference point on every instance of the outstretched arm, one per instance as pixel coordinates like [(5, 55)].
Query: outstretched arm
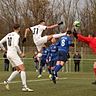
[(25, 35), (83, 38), (55, 25)]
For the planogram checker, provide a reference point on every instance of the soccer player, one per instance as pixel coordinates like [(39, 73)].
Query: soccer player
[(52, 56), (13, 52), (43, 60), (37, 31), (63, 48), (91, 41)]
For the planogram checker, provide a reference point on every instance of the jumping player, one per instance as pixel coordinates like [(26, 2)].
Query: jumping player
[(37, 31), (63, 48), (13, 52), (91, 41)]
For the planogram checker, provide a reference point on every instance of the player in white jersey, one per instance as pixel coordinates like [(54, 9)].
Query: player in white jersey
[(37, 32), (13, 54)]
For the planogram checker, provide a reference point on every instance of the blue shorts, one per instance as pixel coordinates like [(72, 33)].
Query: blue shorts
[(52, 63), (42, 63), (62, 56)]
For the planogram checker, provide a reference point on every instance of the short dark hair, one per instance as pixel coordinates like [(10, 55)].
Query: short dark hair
[(69, 32), (41, 21), (16, 26)]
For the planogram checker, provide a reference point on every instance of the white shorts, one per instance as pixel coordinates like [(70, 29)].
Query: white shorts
[(14, 59), (40, 42)]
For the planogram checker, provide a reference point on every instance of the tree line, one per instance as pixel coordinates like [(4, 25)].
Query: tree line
[(30, 12)]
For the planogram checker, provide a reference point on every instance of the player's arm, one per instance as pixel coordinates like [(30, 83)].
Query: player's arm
[(55, 25), (18, 48), (25, 35), (1, 44), (81, 37)]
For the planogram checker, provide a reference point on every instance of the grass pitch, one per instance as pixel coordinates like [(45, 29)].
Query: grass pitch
[(69, 84)]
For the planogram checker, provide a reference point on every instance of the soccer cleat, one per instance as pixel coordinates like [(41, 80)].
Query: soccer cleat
[(6, 85), (39, 76), (44, 70), (50, 76), (53, 78), (25, 89), (94, 82), (57, 78)]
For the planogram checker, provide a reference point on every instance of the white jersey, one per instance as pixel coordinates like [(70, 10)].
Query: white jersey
[(37, 32), (12, 40)]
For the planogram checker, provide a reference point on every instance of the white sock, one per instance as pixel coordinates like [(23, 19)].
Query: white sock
[(23, 78), (13, 75), (59, 35)]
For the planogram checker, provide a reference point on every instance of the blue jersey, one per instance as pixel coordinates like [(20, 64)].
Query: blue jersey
[(64, 43), (52, 53), (44, 53)]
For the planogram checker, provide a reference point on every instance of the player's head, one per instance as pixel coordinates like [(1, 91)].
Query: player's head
[(16, 27), (42, 22), (69, 32)]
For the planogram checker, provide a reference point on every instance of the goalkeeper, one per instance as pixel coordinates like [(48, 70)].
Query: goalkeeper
[(91, 41)]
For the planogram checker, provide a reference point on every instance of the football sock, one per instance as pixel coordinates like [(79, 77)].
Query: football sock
[(12, 76), (23, 78), (57, 68), (40, 70), (49, 70), (95, 71), (58, 35)]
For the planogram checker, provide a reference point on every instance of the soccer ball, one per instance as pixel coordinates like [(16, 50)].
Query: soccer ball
[(76, 23), (39, 55)]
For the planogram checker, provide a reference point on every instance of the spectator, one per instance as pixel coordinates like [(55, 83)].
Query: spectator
[(77, 58), (6, 62)]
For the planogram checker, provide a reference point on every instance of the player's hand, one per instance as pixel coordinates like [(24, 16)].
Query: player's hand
[(60, 23), (24, 40), (22, 55), (75, 34), (72, 45)]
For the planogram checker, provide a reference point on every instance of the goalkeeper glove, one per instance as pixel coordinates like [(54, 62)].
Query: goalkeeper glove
[(75, 34), (24, 40), (60, 23)]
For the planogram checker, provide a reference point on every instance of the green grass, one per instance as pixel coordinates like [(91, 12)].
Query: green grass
[(76, 84)]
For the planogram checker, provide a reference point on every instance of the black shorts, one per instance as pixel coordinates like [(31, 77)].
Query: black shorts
[(62, 56), (52, 63), (42, 63)]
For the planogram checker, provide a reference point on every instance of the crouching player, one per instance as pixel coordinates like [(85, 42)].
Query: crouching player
[(63, 48), (52, 56)]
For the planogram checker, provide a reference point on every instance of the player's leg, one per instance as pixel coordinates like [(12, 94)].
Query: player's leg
[(94, 67), (23, 78), (12, 76), (42, 63)]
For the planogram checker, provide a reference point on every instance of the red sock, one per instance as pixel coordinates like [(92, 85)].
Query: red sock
[(95, 71)]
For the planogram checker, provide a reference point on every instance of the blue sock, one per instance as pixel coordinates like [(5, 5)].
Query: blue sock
[(57, 68)]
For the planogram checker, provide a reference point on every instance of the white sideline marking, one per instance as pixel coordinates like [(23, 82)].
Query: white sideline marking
[(13, 82), (33, 80)]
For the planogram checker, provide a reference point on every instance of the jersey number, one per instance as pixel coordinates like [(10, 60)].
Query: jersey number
[(63, 42), (35, 31), (9, 41)]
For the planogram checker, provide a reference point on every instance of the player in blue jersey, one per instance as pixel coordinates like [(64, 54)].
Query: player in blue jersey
[(43, 60), (63, 48), (52, 56)]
